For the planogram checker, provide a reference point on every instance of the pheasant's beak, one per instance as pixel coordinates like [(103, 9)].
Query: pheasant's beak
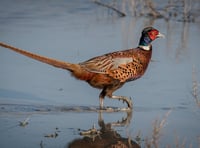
[(160, 35)]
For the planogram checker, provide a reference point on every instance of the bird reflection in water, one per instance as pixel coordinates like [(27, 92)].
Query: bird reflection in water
[(105, 137)]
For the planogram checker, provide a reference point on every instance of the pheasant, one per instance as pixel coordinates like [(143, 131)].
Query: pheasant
[(110, 71)]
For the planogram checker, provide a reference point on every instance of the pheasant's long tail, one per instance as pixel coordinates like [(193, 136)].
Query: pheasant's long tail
[(50, 61)]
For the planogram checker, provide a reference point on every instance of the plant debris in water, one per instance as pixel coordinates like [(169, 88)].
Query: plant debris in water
[(24, 122), (53, 135), (91, 133)]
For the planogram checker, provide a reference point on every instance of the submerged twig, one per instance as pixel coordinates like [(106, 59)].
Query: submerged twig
[(41, 144), (122, 14)]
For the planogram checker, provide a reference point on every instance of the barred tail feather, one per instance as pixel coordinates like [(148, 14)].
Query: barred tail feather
[(50, 61)]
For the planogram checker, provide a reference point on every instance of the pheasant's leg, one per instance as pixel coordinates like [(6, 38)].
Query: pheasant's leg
[(124, 99), (101, 102), (101, 98)]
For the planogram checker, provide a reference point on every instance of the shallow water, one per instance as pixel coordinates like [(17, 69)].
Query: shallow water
[(56, 103)]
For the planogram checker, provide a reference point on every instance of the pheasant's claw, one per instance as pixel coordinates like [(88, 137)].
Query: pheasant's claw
[(124, 99)]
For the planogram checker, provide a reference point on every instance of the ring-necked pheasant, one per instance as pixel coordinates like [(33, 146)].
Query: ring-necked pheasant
[(110, 71)]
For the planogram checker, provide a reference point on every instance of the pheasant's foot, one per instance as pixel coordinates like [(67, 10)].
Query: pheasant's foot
[(124, 99)]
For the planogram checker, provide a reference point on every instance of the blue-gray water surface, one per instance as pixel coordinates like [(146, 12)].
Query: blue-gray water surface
[(54, 102)]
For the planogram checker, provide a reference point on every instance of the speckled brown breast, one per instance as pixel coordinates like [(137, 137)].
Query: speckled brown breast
[(134, 69)]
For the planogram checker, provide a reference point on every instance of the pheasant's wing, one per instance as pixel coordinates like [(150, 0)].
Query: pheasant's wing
[(104, 64), (127, 72), (119, 65)]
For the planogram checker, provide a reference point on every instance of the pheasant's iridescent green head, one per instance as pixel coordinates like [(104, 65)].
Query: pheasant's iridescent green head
[(148, 35)]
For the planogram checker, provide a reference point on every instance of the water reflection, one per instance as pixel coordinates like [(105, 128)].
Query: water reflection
[(58, 27), (106, 136), (180, 44)]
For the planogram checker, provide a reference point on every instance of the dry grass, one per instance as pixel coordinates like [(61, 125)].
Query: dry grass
[(195, 87), (199, 141), (180, 10), (156, 133), (153, 141)]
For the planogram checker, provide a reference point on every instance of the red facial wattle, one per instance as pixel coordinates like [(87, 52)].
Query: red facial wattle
[(153, 34)]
